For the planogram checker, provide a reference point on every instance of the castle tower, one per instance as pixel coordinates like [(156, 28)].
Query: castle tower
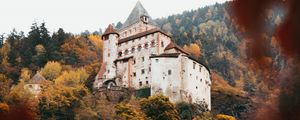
[(107, 72)]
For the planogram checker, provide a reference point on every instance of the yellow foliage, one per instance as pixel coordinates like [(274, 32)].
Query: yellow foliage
[(194, 49), (25, 75), (97, 41), (67, 88), (5, 86), (225, 117), (51, 70), (72, 78), (19, 94), (127, 112)]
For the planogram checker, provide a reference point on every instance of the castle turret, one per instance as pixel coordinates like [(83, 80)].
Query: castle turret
[(108, 69)]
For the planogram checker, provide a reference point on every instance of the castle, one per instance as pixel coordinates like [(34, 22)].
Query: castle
[(141, 55)]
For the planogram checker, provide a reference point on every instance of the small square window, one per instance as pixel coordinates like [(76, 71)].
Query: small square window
[(194, 65), (156, 60), (169, 72), (143, 71), (134, 74)]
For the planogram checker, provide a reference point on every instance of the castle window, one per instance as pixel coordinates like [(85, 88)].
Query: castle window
[(134, 61), (108, 54), (147, 82), (134, 74), (194, 65), (120, 54), (152, 43), (156, 60), (141, 83), (126, 51), (139, 48), (169, 72), (199, 68), (146, 45), (201, 80), (149, 69), (143, 71), (162, 44), (196, 87), (143, 59), (132, 50), (129, 31)]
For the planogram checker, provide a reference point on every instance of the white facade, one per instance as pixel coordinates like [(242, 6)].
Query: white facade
[(140, 55)]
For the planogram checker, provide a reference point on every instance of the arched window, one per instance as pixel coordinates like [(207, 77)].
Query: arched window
[(120, 54), (132, 50), (126, 52), (146, 46), (152, 43), (139, 48)]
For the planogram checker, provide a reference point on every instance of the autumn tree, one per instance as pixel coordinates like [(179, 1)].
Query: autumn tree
[(194, 49), (60, 99), (22, 104), (5, 86), (159, 108), (51, 70)]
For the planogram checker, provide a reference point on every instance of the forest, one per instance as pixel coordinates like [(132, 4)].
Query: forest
[(69, 62)]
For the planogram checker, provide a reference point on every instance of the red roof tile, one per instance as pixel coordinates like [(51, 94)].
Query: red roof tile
[(109, 30), (175, 46)]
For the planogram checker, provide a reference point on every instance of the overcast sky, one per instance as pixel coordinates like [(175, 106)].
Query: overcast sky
[(78, 15)]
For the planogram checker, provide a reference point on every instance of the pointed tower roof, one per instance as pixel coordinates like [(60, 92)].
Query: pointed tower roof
[(135, 15), (109, 30)]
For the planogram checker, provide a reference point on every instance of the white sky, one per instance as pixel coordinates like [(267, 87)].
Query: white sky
[(78, 15)]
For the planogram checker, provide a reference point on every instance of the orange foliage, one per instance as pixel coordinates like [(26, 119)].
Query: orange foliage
[(4, 107), (224, 117), (219, 84), (194, 49), (83, 49)]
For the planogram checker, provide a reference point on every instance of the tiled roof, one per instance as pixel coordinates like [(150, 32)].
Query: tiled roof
[(154, 30), (102, 70), (109, 30), (136, 14), (175, 46), (37, 79)]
